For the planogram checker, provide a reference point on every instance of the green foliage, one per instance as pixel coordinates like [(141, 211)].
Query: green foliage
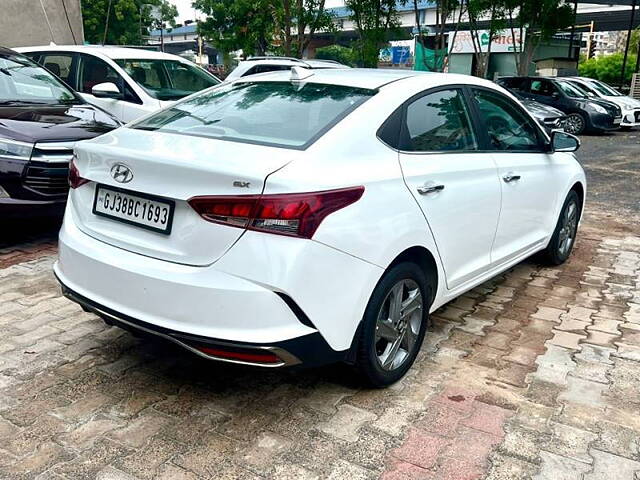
[(338, 53), (126, 20), (374, 20), (607, 68), (238, 24)]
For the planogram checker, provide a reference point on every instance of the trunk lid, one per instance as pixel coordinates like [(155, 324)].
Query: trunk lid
[(171, 167)]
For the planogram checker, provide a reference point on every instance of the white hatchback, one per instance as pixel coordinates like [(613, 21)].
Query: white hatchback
[(308, 217), (126, 82)]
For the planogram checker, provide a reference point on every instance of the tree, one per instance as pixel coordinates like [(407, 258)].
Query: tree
[(231, 25), (122, 22), (374, 20), (445, 10), (607, 68), (542, 19), (482, 42), (306, 17), (344, 55)]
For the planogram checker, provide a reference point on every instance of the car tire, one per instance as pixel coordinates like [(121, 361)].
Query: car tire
[(389, 325), (564, 235), (575, 123)]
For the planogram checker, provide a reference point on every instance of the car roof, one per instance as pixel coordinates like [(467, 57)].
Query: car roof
[(106, 51), (370, 78)]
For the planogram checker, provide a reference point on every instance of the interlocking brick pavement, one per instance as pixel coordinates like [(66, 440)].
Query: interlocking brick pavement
[(534, 374)]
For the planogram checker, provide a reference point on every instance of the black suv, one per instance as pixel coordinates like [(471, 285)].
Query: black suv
[(584, 113), (40, 121)]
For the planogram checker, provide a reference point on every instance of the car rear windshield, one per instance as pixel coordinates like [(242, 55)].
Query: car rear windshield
[(167, 79), (282, 114)]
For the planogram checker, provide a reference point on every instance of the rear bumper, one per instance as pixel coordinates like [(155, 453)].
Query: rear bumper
[(267, 291), (308, 350)]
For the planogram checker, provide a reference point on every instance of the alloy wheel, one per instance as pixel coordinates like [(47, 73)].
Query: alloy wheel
[(398, 324), (568, 228), (574, 124)]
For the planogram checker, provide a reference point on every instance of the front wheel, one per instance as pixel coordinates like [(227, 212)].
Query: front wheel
[(394, 325), (575, 124), (564, 235)]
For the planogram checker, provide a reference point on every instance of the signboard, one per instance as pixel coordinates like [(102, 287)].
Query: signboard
[(400, 55), (502, 42)]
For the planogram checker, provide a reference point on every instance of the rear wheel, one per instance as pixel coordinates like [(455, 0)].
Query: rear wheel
[(394, 325), (564, 235), (575, 124)]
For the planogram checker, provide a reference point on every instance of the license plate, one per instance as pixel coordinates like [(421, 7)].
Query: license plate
[(617, 121), (140, 209)]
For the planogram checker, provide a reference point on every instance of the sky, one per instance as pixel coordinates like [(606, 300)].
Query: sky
[(186, 12)]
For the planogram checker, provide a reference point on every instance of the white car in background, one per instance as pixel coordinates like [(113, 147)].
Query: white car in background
[(630, 106), (126, 82), (255, 65), (314, 216)]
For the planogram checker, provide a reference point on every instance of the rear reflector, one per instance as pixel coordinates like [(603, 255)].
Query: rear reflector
[(293, 214), (75, 180), (257, 357)]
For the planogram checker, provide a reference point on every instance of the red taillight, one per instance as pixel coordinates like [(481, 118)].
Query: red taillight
[(75, 180), (294, 214), (258, 357)]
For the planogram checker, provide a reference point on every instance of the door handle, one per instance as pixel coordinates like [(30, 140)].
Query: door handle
[(427, 189), (510, 177)]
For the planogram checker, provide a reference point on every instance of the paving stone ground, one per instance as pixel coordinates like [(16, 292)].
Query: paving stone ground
[(533, 375)]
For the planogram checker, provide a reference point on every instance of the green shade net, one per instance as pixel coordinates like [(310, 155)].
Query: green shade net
[(429, 60)]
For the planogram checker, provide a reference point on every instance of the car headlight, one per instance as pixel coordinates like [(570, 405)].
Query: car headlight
[(597, 108), (14, 150)]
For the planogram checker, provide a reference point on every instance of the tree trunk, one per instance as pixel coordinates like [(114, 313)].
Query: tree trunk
[(286, 6)]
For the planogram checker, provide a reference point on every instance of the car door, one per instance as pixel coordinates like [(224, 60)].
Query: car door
[(455, 184), (528, 175)]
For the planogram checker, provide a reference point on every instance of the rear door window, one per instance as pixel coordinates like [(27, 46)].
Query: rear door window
[(439, 122), (61, 65)]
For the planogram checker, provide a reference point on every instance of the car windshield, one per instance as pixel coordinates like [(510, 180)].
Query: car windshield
[(167, 79), (23, 81), (604, 89), (572, 90), (282, 114)]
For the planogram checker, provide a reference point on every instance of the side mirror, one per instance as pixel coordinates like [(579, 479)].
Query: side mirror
[(106, 90), (564, 142)]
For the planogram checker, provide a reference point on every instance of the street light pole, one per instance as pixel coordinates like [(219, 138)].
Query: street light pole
[(626, 48)]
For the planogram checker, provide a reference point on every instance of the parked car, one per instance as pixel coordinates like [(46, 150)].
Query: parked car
[(630, 106), (255, 65), (314, 216), (126, 82), (583, 112), (41, 120), (550, 118)]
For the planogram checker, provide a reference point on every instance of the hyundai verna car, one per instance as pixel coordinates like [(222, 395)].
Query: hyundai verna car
[(308, 217), (40, 121), (584, 113)]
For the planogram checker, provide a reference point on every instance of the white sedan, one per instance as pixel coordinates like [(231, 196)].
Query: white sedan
[(308, 217)]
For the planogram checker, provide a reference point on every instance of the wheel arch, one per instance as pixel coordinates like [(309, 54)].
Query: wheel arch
[(425, 260), (578, 187)]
